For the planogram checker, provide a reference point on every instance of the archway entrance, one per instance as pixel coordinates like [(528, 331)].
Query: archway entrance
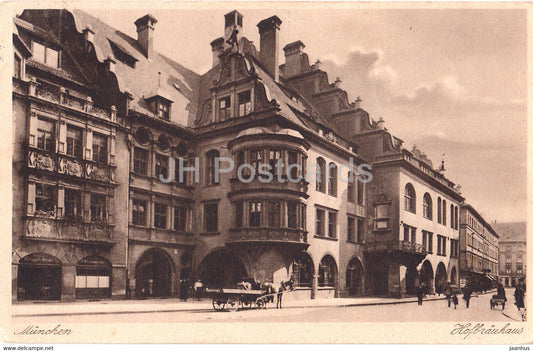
[(425, 276), (453, 277), (39, 277), (354, 277), (93, 278), (327, 272), (220, 269), (440, 278), (153, 274), (303, 270)]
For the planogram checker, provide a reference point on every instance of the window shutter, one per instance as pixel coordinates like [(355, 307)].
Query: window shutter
[(89, 144), (33, 129), (61, 202), (31, 198), (62, 139)]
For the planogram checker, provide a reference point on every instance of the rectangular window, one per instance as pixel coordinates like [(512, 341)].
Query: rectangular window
[(319, 222), (160, 215), (180, 218), (211, 217), (45, 199), (224, 108), (292, 215), (382, 217), (292, 159), (45, 135), (413, 235), (161, 166), (425, 240), (39, 52), (332, 224), (274, 158), (98, 208), (302, 222), (254, 219), (274, 214), (17, 67), (211, 159), (351, 187), (140, 161), (360, 192), (351, 229), (99, 148), (406, 232), (245, 105), (72, 204), (360, 230), (139, 212), (238, 214), (163, 110), (74, 141), (255, 159), (177, 170)]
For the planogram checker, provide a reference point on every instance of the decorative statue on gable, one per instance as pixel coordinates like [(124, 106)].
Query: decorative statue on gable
[(233, 41)]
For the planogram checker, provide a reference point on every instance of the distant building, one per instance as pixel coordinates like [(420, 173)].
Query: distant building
[(513, 252), (478, 250)]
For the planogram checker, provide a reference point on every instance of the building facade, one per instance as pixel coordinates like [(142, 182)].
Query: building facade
[(513, 253), (134, 176), (479, 250)]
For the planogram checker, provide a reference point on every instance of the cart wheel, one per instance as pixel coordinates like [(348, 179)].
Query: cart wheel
[(260, 303), (233, 304), (218, 304)]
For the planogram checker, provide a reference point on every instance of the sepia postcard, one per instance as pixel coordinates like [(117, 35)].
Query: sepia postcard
[(265, 172)]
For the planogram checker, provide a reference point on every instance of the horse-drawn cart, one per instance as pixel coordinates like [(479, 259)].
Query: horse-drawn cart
[(233, 299)]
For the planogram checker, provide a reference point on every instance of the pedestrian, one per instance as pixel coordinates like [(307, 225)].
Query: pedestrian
[(519, 296), (281, 289), (467, 293), (420, 294), (198, 287), (455, 301), (448, 293), (184, 290)]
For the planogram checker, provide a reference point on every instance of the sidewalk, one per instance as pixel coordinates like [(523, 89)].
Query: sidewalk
[(25, 309)]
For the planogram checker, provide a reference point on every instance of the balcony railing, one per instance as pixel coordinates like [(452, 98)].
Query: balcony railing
[(287, 235), (396, 245), (168, 236), (52, 162), (67, 230)]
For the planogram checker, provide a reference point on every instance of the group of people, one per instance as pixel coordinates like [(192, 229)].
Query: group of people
[(451, 296)]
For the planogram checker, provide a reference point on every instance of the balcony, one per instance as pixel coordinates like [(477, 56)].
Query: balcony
[(70, 166), (297, 237), (145, 235), (75, 231), (407, 252), (285, 186)]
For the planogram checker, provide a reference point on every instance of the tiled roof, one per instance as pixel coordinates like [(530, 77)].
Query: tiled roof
[(176, 82), (511, 231)]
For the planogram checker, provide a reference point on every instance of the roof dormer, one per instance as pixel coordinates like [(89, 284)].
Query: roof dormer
[(160, 103)]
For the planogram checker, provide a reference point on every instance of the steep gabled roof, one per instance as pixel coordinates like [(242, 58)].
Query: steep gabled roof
[(142, 76), (511, 231)]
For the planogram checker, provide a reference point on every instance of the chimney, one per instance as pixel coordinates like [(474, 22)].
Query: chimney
[(217, 46), (268, 52), (293, 51), (233, 20), (145, 34), (358, 102)]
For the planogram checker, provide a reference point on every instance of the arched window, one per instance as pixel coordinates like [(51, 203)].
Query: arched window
[(439, 210), (332, 179), (410, 198), (452, 216), (443, 212), (210, 159), (320, 175), (428, 206)]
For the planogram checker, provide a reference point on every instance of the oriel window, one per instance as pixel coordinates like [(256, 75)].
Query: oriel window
[(255, 209), (274, 214)]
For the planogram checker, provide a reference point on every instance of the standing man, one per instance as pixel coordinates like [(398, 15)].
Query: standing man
[(467, 293), (280, 294), (420, 293)]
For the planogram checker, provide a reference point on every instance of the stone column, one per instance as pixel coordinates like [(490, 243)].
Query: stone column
[(314, 286), (68, 290)]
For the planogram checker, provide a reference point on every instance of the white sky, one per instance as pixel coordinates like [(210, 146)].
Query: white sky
[(450, 81)]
